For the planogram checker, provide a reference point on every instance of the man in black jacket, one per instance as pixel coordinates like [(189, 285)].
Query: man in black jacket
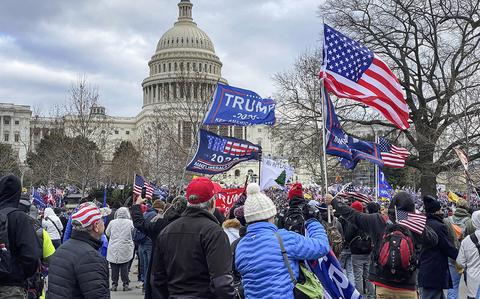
[(22, 241), (152, 229), (374, 225), (434, 273), (77, 270), (192, 257)]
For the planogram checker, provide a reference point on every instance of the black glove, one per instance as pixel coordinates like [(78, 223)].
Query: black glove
[(311, 212)]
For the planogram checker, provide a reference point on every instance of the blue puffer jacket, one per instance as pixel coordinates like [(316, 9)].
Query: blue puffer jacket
[(259, 258)]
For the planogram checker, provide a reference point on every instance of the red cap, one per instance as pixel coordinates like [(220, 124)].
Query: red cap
[(357, 206), (202, 188), (295, 191)]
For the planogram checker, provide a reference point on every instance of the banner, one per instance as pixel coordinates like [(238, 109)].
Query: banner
[(462, 156), (227, 198), (384, 188), (216, 154), (334, 281), (274, 174), (239, 107), (350, 150)]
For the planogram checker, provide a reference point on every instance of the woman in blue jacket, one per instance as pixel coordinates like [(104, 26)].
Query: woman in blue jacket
[(258, 256)]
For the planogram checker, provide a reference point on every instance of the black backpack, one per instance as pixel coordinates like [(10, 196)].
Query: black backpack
[(294, 220), (361, 243), (397, 257), (5, 252)]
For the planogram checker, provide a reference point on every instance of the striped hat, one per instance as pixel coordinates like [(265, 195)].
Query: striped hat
[(86, 215)]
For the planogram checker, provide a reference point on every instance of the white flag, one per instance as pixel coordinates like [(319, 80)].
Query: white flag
[(271, 171)]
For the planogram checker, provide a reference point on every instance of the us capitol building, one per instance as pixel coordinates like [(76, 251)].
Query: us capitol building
[(182, 73)]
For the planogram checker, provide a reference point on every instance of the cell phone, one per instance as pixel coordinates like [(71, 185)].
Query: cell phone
[(144, 192)]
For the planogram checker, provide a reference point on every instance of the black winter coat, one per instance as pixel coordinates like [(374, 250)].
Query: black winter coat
[(193, 259), (152, 229), (434, 271), (374, 225), (23, 243), (77, 270)]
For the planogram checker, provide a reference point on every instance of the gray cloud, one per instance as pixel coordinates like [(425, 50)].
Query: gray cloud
[(45, 45)]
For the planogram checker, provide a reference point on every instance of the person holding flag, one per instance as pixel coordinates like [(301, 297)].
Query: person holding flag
[(266, 252), (401, 225)]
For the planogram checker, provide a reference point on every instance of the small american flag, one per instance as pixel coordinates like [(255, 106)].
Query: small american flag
[(392, 156), (351, 192), (140, 182), (354, 72), (414, 222)]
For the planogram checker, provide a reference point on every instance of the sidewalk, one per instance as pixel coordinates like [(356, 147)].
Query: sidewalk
[(134, 293)]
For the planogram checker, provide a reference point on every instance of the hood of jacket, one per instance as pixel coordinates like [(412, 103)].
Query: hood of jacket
[(231, 223), (460, 214), (10, 191), (122, 213), (49, 213)]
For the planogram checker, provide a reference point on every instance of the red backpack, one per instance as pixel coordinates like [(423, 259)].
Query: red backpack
[(396, 257)]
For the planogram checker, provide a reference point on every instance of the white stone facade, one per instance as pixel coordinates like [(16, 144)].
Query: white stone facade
[(183, 70)]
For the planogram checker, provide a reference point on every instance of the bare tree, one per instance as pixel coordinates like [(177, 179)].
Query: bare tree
[(433, 47), (171, 137)]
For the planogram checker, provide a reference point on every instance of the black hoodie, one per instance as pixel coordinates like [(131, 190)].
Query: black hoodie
[(23, 244)]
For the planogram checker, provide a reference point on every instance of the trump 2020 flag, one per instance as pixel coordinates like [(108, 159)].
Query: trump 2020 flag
[(384, 188), (334, 281), (239, 107), (274, 173), (217, 154), (350, 150), (350, 70)]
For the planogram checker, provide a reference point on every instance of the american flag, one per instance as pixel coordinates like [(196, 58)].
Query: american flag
[(37, 200), (239, 149), (414, 222), (352, 71), (140, 182), (392, 156), (351, 192)]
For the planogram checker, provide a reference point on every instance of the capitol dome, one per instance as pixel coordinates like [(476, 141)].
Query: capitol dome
[(185, 34)]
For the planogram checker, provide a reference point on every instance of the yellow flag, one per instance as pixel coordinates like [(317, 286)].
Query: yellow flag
[(453, 197)]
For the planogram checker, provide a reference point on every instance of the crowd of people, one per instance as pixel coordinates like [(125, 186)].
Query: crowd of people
[(261, 249)]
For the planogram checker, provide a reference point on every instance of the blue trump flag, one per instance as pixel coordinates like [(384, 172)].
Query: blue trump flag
[(239, 107), (350, 150), (384, 188), (217, 154), (334, 281)]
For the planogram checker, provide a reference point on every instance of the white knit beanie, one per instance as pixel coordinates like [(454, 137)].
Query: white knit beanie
[(258, 206)]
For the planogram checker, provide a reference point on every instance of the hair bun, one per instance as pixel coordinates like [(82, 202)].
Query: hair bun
[(253, 188)]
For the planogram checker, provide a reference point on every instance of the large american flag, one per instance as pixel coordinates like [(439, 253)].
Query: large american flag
[(351, 192), (352, 71), (140, 182), (239, 149), (414, 222), (392, 156)]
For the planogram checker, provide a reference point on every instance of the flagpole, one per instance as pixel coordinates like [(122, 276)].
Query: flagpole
[(324, 141), (191, 147), (377, 179), (259, 168), (324, 121)]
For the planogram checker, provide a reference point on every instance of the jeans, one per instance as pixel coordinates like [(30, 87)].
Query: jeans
[(432, 294), (453, 292), (144, 252), (360, 265), (123, 269), (10, 292), (346, 263)]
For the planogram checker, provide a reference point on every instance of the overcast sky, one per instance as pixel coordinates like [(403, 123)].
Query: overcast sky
[(46, 45)]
